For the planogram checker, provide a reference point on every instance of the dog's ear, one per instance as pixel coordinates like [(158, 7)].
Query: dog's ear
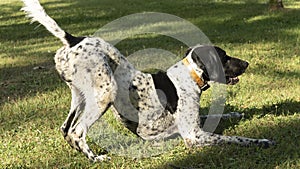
[(200, 64), (221, 53), (207, 58), (188, 51)]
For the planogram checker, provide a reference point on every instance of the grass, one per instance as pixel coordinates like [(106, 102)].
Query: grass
[(34, 103)]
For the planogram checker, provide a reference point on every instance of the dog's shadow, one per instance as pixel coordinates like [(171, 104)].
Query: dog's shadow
[(287, 107)]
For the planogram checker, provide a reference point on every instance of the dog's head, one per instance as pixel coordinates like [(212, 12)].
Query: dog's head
[(217, 65)]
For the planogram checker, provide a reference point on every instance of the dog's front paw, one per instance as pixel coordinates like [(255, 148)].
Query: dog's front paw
[(101, 158), (265, 143)]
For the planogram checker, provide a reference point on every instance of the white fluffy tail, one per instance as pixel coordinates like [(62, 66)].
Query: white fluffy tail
[(36, 12)]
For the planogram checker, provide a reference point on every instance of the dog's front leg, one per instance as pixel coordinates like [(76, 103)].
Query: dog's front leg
[(189, 128), (231, 115), (203, 138)]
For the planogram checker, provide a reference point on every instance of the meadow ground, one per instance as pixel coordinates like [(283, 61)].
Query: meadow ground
[(35, 102)]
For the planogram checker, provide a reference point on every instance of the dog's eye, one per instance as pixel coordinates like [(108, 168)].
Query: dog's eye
[(228, 58)]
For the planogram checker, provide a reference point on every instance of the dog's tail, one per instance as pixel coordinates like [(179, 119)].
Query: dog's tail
[(36, 12)]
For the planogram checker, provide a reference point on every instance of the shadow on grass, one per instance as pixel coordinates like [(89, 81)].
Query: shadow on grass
[(241, 23), (285, 153), (285, 108), (284, 130), (17, 82), (221, 22)]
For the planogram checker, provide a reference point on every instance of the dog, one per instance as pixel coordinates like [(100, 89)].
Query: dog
[(154, 106)]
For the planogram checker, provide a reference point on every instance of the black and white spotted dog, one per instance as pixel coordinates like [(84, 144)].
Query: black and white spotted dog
[(100, 77)]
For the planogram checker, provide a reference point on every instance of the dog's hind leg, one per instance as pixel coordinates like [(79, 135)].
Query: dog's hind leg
[(77, 124), (92, 97), (77, 104)]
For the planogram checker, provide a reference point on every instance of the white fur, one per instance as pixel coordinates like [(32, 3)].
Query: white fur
[(36, 12)]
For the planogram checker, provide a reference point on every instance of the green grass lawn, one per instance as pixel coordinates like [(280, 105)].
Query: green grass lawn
[(34, 103)]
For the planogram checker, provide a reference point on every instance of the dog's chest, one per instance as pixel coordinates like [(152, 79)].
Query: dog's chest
[(180, 76)]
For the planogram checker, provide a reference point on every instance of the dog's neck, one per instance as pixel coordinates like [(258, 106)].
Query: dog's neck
[(195, 72), (180, 74)]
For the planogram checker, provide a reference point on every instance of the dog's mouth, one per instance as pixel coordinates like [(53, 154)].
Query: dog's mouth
[(232, 80)]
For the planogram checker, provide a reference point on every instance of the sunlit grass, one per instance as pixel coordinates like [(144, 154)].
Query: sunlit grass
[(35, 102)]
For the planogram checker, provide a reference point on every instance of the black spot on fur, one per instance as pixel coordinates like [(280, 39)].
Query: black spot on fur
[(63, 76), (133, 87), (77, 146), (68, 123), (113, 65), (240, 140), (90, 44)]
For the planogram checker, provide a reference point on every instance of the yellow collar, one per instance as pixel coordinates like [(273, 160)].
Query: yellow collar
[(200, 82)]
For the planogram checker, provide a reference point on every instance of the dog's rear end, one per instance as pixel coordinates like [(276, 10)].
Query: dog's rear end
[(82, 65)]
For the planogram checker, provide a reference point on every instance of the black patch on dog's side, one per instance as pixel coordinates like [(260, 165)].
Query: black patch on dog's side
[(73, 40), (163, 82)]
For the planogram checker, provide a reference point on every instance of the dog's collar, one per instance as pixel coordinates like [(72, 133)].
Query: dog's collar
[(195, 72)]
